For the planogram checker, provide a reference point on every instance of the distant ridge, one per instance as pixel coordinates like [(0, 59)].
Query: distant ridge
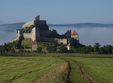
[(15, 26), (11, 27), (82, 25), (13, 23)]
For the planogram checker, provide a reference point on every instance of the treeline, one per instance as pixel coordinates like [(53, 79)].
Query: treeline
[(53, 47), (96, 49)]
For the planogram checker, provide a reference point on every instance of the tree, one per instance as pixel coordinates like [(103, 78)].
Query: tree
[(70, 51), (109, 49), (102, 50), (51, 49), (106, 49), (63, 49), (75, 50), (51, 46), (96, 47), (39, 49), (83, 50)]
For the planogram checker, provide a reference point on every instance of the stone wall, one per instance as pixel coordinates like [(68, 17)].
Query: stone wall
[(38, 38), (62, 40), (27, 35), (45, 33), (33, 34), (28, 24), (47, 39), (59, 40)]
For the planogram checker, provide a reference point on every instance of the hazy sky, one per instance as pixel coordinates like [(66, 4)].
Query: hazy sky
[(57, 11)]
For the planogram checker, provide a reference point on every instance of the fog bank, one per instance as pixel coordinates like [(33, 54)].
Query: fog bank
[(87, 36)]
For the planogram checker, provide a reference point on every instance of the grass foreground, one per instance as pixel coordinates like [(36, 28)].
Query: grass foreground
[(91, 70), (55, 69), (32, 69)]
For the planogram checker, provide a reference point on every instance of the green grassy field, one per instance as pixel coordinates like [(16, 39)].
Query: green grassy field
[(32, 69), (99, 70), (59, 69)]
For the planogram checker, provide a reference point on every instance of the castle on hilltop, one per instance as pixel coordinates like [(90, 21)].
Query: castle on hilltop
[(38, 30)]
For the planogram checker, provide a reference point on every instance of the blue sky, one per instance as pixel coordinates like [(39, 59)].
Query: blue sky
[(57, 11)]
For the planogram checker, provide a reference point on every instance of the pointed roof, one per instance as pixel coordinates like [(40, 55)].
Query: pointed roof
[(34, 42), (74, 33)]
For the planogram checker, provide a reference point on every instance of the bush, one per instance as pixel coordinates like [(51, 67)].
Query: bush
[(26, 43), (39, 49), (63, 49)]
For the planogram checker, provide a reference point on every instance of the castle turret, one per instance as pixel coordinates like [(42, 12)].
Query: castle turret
[(37, 17), (75, 35), (19, 33)]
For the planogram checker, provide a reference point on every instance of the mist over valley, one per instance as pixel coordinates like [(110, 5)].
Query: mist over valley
[(89, 33)]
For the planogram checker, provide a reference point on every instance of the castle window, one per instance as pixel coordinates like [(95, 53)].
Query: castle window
[(61, 43)]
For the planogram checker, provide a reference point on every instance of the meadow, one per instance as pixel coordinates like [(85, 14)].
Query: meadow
[(92, 70), (32, 69), (56, 69)]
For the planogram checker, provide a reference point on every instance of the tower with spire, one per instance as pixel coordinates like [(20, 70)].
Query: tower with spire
[(75, 35)]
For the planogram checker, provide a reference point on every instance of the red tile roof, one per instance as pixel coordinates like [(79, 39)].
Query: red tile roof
[(34, 42), (74, 33)]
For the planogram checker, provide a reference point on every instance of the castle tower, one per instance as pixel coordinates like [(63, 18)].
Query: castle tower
[(38, 38), (35, 34), (19, 33), (75, 35)]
